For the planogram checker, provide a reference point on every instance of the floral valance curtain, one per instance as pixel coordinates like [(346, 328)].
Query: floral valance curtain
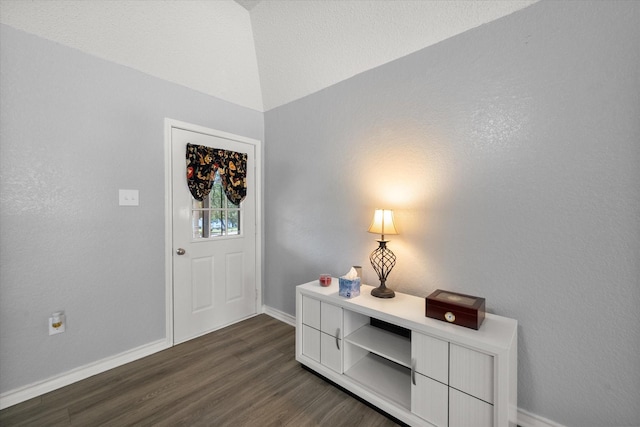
[(202, 164)]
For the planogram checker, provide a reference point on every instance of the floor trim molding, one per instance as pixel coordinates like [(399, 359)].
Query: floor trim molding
[(13, 397), (527, 419), (280, 315)]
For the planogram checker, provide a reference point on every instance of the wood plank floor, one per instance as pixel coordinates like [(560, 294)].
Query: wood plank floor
[(242, 375)]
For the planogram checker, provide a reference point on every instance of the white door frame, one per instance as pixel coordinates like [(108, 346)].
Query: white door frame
[(168, 213)]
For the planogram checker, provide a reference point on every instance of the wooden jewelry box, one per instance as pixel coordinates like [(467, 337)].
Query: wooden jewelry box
[(459, 309)]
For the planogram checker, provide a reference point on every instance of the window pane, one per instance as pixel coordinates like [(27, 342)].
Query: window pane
[(234, 222), (217, 196), (196, 223), (217, 223), (216, 230), (196, 204), (215, 216)]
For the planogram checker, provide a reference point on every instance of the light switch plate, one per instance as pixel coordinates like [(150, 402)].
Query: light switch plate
[(129, 198)]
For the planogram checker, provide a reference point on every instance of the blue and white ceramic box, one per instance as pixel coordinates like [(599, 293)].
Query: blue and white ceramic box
[(349, 288)]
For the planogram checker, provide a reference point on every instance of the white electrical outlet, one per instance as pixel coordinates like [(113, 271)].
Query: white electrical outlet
[(129, 197), (57, 323)]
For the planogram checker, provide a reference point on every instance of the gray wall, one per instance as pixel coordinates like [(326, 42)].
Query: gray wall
[(510, 154), (74, 129)]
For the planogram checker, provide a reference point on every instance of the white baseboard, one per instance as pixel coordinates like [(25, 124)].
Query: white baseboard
[(527, 419), (39, 388), (280, 315), (21, 394), (13, 397)]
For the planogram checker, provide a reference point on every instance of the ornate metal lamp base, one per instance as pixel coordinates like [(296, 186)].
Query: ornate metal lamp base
[(382, 261), (383, 292)]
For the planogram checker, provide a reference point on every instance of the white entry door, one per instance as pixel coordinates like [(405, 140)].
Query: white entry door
[(214, 244)]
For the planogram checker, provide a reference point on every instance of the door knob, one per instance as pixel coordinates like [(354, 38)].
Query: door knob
[(180, 251)]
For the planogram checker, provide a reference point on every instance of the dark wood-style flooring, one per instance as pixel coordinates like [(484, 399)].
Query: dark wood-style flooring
[(242, 375)]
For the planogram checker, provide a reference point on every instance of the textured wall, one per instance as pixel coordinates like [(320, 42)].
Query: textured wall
[(73, 130), (510, 154)]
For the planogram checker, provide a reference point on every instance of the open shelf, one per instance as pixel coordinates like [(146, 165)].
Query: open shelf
[(383, 343), (386, 378)]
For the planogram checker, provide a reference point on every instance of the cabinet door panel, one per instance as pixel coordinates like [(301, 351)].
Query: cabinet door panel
[(331, 352), (431, 356), (311, 342), (331, 319), (430, 400), (311, 312), (467, 411), (472, 372)]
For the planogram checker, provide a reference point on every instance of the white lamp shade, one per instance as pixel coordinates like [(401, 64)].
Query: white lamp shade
[(383, 222)]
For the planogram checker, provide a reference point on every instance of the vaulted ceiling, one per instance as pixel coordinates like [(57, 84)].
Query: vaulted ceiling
[(258, 54), (248, 4)]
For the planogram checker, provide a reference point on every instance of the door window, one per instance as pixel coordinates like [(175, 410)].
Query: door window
[(215, 215)]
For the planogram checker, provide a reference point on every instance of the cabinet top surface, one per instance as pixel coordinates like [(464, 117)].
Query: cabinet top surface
[(496, 333)]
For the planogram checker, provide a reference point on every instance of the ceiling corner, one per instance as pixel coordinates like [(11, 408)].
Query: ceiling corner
[(248, 4)]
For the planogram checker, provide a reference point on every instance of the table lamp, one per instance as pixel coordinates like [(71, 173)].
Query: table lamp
[(382, 259)]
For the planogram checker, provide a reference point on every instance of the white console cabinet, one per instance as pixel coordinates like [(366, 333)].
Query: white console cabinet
[(422, 371)]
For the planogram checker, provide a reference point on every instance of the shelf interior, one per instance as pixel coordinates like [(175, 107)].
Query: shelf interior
[(384, 343), (385, 378)]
